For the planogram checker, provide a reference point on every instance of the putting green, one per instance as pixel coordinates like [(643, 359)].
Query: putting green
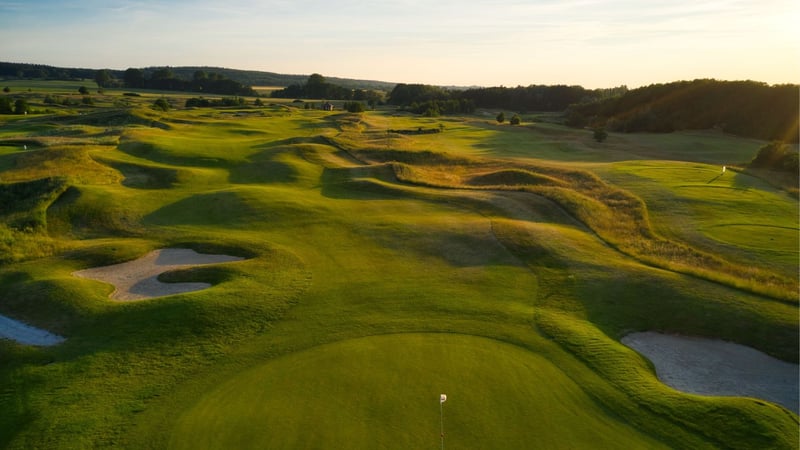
[(383, 392)]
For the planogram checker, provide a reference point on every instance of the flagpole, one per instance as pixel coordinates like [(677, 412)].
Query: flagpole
[(442, 399), (441, 421)]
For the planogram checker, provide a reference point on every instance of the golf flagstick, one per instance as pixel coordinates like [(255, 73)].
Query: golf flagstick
[(442, 399)]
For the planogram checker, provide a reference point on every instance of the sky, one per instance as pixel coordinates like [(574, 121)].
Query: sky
[(592, 43)]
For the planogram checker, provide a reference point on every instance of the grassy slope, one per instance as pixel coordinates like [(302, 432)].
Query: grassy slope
[(341, 254)]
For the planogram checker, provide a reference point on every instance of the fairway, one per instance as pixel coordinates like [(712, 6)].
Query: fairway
[(383, 392)]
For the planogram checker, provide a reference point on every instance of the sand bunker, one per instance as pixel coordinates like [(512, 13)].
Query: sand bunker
[(714, 367), (138, 279), (26, 334)]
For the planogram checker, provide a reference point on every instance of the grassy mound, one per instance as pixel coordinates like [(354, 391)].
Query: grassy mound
[(512, 177)]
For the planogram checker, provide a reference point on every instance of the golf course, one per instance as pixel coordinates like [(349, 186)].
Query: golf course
[(268, 275)]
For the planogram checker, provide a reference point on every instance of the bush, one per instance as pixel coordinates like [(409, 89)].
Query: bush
[(600, 134), (161, 104), (354, 107), (776, 156), (515, 120)]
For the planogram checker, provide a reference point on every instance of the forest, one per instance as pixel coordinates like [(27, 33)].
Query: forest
[(744, 108)]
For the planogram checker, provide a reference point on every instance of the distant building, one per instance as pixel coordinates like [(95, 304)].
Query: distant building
[(328, 106)]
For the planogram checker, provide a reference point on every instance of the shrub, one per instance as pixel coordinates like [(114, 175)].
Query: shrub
[(515, 120), (776, 156), (600, 134), (354, 107), (161, 104)]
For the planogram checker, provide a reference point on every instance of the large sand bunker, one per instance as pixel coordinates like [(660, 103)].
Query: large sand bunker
[(138, 279), (26, 334), (714, 367)]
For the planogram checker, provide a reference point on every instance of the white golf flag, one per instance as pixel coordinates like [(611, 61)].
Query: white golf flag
[(442, 398)]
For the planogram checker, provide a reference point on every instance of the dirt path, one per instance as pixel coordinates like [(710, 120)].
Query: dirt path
[(714, 367), (26, 334), (138, 279)]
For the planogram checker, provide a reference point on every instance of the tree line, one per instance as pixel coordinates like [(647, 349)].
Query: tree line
[(21, 70), (317, 87), (744, 108), (419, 97), (161, 78), (165, 79)]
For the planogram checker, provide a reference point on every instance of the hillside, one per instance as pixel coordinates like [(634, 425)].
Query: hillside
[(744, 108), (246, 77)]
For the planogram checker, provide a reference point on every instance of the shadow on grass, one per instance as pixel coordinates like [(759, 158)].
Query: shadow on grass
[(263, 168), (203, 209), (359, 183)]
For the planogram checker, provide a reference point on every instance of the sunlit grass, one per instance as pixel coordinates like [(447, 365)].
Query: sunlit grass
[(382, 271)]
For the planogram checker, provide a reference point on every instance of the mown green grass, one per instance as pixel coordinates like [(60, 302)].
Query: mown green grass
[(363, 298), (382, 392), (733, 214)]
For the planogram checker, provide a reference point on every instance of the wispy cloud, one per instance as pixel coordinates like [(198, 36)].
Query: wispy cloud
[(466, 41)]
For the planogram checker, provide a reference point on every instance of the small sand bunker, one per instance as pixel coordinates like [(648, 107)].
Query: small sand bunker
[(26, 334), (138, 279), (714, 367)]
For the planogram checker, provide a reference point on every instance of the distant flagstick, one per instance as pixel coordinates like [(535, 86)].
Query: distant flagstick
[(442, 399)]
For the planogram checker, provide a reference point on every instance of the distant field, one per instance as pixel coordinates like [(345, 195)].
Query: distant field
[(266, 90), (46, 86), (499, 265)]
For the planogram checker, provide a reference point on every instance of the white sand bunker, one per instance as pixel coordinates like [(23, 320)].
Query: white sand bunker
[(714, 367), (138, 279), (26, 334)]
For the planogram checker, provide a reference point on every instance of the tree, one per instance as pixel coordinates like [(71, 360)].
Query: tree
[(6, 89), (83, 90), (134, 78), (103, 78), (5, 105), (200, 80), (600, 134), (20, 107), (501, 117), (200, 75), (515, 120), (316, 86)]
